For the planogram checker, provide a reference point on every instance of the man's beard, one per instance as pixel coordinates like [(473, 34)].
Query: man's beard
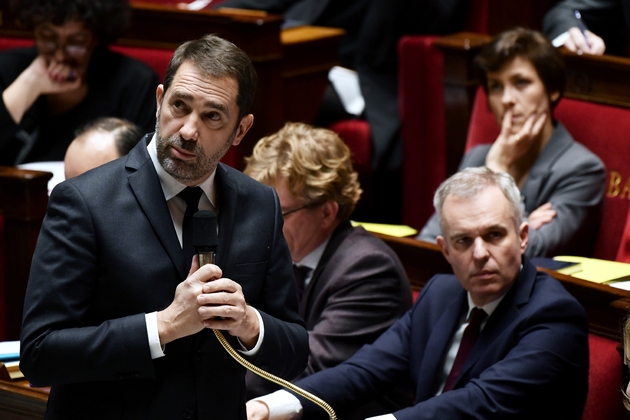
[(188, 172)]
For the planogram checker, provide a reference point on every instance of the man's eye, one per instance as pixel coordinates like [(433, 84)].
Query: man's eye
[(462, 241), (214, 116), (495, 235)]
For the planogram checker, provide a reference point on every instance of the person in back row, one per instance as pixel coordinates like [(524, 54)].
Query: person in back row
[(353, 285), (494, 340), (99, 142), (68, 78), (561, 182)]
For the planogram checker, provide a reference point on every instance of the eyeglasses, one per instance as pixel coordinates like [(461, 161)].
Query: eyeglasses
[(288, 212), (72, 50)]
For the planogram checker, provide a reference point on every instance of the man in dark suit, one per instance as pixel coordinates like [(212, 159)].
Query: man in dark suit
[(530, 356), (355, 287), (605, 23), (116, 319)]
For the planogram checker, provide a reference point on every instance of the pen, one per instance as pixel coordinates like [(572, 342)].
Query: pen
[(578, 16)]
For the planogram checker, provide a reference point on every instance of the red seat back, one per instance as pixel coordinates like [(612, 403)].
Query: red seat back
[(603, 129), (604, 398)]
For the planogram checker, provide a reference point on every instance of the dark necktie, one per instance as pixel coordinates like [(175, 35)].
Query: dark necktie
[(477, 315), (191, 196), (300, 272)]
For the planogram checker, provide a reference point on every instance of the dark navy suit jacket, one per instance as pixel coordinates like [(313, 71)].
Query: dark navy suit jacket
[(107, 254), (530, 361)]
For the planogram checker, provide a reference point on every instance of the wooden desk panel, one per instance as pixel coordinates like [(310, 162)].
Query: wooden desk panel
[(23, 201)]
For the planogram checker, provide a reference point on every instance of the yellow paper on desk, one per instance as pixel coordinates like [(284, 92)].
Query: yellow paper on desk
[(392, 230), (598, 271)]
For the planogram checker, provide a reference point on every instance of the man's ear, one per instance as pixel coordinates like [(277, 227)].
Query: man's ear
[(330, 210), (443, 247), (159, 95), (523, 233), (243, 127)]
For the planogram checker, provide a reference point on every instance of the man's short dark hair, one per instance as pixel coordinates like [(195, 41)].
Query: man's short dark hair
[(107, 19), (126, 134), (529, 45), (218, 58)]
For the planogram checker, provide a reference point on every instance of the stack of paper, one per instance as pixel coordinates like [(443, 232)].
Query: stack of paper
[(393, 230), (598, 271)]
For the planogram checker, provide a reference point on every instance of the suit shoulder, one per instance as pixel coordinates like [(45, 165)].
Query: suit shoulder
[(550, 292)]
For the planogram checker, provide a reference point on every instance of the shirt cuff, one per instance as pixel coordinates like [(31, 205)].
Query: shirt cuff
[(154, 338), (261, 335), (282, 405), (560, 39), (383, 417)]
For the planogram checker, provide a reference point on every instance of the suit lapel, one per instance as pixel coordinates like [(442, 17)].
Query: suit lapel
[(558, 143), (146, 187), (226, 204), (502, 317), (338, 236), (437, 345)]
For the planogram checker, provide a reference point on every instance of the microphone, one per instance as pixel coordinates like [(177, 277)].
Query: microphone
[(205, 238)]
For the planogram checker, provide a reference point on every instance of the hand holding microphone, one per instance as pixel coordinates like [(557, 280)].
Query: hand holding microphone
[(222, 300)]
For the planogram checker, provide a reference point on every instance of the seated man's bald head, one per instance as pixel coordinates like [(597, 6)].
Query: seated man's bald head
[(97, 143)]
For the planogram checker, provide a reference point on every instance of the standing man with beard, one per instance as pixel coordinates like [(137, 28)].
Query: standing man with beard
[(117, 314)]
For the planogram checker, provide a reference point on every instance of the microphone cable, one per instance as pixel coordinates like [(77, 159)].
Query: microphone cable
[(286, 384), (205, 241)]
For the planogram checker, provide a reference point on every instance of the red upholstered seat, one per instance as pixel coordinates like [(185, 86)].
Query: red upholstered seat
[(356, 135), (8, 43), (421, 68), (604, 399), (603, 129)]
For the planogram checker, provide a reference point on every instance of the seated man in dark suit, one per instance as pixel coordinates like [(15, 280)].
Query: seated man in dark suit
[(495, 340), (354, 286)]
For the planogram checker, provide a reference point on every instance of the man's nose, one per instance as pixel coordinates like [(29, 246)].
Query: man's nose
[(480, 251), (190, 129)]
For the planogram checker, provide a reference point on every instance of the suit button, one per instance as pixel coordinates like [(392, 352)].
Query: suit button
[(187, 414), (198, 354)]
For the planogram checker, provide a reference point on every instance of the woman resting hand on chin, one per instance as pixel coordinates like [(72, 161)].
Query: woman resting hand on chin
[(562, 182), (68, 78)]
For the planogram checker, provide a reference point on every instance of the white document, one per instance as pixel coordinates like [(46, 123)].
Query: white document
[(346, 84)]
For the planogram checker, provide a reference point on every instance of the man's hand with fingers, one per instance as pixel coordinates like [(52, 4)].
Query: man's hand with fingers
[(184, 316), (577, 43)]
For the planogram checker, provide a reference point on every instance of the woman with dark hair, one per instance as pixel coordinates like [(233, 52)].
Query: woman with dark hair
[(562, 183), (69, 78)]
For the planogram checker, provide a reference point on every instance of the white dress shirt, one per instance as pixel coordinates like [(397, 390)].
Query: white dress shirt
[(177, 207)]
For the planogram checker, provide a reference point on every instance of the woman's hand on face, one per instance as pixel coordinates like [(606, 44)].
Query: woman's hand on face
[(509, 147), (53, 78)]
